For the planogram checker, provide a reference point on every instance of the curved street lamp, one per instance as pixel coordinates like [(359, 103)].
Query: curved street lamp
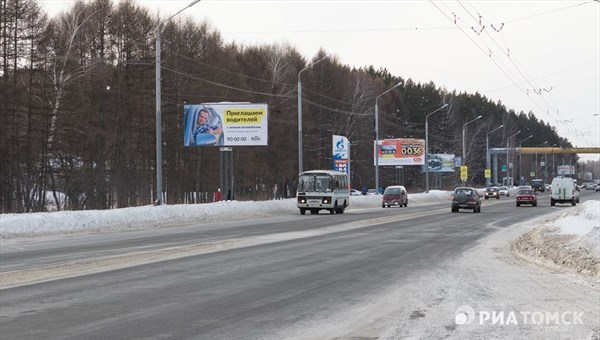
[(427, 146), (300, 147), (464, 148), (487, 153), (159, 196), (377, 136)]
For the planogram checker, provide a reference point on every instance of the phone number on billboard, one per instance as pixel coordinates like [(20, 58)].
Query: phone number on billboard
[(411, 149)]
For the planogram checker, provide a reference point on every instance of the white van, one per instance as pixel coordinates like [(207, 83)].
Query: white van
[(563, 191)]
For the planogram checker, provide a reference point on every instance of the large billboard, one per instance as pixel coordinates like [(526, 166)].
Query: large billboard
[(402, 151), (341, 154), (225, 124), (441, 162)]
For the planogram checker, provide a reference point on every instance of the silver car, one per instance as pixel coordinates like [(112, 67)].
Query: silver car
[(503, 190)]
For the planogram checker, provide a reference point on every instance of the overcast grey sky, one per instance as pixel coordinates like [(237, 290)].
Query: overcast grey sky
[(540, 56)]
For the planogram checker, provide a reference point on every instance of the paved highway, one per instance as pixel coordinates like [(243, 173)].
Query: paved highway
[(263, 278)]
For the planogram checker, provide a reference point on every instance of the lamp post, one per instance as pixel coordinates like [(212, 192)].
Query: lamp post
[(300, 147), (507, 156), (464, 148), (536, 159), (520, 153), (487, 152), (159, 199), (377, 136), (427, 146)]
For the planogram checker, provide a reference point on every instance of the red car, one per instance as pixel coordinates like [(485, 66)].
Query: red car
[(526, 196)]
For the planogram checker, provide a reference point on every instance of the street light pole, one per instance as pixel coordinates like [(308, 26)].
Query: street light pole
[(464, 161), (536, 159), (507, 157), (159, 193), (300, 147), (427, 146), (520, 153), (377, 136), (487, 153)]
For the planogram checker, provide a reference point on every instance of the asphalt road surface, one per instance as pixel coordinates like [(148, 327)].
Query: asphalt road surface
[(261, 278)]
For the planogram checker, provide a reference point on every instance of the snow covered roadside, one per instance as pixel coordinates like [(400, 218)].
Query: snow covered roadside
[(149, 217), (570, 243)]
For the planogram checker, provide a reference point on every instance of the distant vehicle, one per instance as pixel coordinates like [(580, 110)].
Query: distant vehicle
[(492, 192), (354, 192), (547, 186), (394, 195), (526, 196), (524, 187), (563, 191), (538, 185), (589, 186), (323, 189), (372, 192), (466, 198), (503, 190)]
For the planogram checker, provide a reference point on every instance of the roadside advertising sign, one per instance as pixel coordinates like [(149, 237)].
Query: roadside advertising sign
[(341, 154), (487, 173), (441, 162), (401, 151), (225, 124), (566, 169)]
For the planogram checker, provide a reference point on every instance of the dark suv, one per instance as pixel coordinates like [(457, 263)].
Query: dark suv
[(538, 185), (466, 198)]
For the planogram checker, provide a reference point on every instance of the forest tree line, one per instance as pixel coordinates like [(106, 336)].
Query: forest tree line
[(77, 104)]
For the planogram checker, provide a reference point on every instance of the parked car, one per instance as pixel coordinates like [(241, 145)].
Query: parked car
[(526, 196), (394, 195), (354, 192), (492, 192), (503, 190), (466, 198)]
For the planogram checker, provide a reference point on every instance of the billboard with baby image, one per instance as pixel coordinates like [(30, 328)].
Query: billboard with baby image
[(225, 124)]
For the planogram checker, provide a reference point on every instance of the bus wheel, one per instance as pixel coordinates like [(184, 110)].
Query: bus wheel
[(302, 211), (331, 211)]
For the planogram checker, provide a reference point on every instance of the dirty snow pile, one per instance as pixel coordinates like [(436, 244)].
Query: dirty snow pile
[(570, 243)]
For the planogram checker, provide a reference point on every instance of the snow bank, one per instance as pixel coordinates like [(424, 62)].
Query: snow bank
[(65, 222), (569, 243)]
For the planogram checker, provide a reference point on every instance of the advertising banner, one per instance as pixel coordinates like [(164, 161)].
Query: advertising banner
[(401, 151), (441, 162), (565, 170), (341, 154), (225, 124)]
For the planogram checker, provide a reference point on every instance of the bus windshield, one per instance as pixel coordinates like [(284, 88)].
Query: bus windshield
[(314, 183)]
